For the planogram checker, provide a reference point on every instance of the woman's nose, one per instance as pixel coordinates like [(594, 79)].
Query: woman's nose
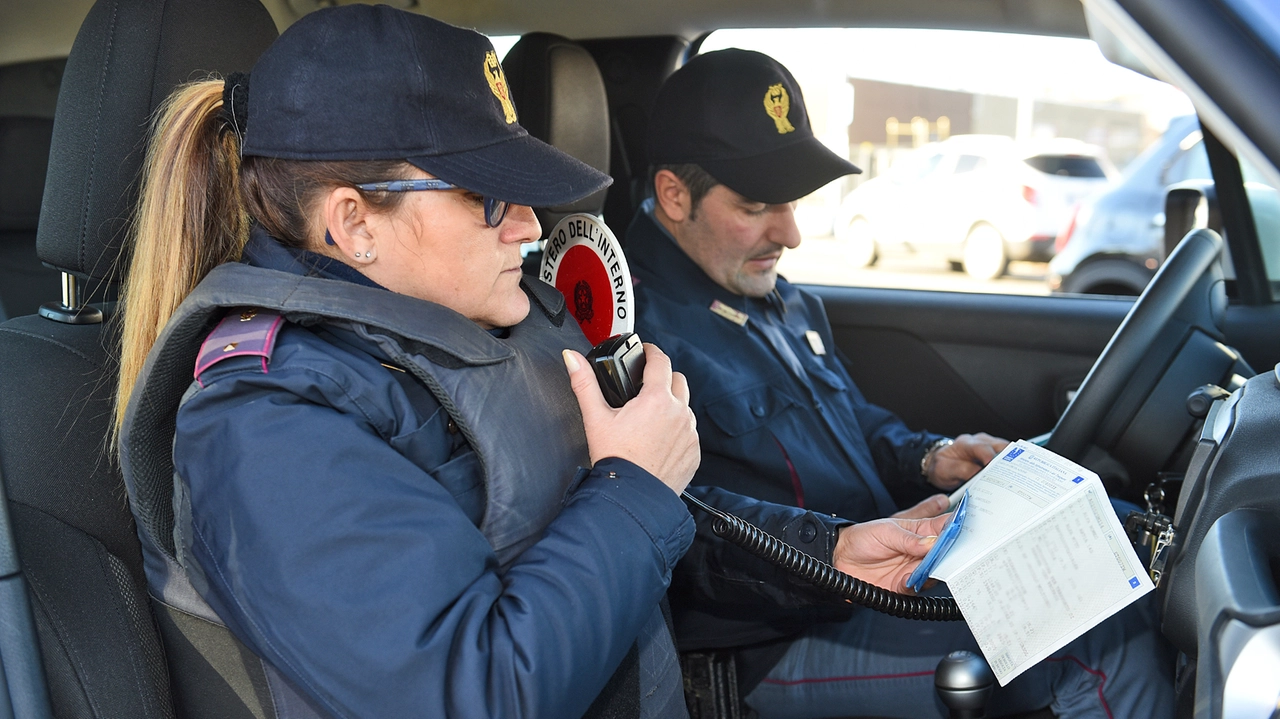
[(521, 225)]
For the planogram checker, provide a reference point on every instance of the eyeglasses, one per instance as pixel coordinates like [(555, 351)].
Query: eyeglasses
[(494, 209)]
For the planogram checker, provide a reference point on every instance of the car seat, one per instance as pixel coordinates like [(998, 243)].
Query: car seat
[(559, 93), (24, 158), (634, 69), (560, 96), (76, 542)]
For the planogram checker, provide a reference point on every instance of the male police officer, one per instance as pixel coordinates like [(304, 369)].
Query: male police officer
[(780, 419)]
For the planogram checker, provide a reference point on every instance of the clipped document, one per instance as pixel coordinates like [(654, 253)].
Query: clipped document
[(1040, 559)]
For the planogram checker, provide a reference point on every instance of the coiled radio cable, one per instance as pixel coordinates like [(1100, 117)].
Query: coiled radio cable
[(823, 575)]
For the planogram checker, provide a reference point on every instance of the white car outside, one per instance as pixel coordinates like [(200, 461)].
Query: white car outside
[(977, 201)]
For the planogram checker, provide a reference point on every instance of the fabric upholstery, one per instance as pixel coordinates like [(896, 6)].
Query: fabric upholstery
[(75, 537), (127, 57), (76, 540), (560, 96), (24, 158)]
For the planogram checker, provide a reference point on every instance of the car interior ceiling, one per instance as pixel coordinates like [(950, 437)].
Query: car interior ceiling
[(76, 543)]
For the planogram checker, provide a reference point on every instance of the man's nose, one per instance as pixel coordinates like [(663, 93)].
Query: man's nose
[(783, 229), (521, 225)]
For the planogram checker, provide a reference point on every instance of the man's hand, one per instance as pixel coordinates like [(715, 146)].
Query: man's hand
[(931, 507), (954, 464), (886, 551)]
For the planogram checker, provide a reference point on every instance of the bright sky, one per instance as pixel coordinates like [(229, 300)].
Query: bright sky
[(1049, 68)]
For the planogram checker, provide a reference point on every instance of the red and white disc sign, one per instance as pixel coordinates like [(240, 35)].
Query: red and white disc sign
[(584, 261)]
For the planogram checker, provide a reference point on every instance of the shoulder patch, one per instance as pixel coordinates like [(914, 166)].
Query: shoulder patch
[(247, 331)]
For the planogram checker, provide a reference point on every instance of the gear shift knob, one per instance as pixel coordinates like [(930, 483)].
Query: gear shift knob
[(964, 683)]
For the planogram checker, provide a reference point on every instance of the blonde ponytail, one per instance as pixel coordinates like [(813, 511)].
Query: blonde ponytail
[(191, 218)]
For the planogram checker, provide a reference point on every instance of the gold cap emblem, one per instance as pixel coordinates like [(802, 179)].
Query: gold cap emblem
[(778, 104), (498, 83)]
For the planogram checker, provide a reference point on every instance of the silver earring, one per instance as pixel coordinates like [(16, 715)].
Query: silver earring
[(369, 253), (357, 255)]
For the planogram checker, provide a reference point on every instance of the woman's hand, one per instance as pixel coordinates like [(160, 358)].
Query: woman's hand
[(956, 463), (655, 430), (886, 551)]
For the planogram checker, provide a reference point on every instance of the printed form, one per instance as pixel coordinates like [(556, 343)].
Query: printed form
[(1040, 559)]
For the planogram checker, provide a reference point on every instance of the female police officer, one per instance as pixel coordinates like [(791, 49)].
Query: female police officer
[(373, 473)]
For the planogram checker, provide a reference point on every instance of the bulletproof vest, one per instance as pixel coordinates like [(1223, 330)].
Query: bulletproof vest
[(527, 469)]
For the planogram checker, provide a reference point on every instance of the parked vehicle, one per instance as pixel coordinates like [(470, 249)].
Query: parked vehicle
[(1114, 242), (977, 201)]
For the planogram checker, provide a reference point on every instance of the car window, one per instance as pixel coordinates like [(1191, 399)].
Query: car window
[(969, 163), (916, 167), (973, 101), (1067, 165)]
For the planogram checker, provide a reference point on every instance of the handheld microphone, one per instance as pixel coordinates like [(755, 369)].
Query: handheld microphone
[(619, 366)]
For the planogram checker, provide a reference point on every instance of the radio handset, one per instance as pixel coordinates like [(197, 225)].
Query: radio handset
[(619, 366), (618, 363)]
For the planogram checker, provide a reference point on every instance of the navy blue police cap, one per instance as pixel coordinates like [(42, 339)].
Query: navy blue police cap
[(361, 82), (740, 116)]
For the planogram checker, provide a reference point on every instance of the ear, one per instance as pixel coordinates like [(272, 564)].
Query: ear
[(671, 195), (349, 219)]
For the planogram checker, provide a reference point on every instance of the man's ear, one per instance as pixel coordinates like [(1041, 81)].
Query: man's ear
[(672, 196), (346, 218)]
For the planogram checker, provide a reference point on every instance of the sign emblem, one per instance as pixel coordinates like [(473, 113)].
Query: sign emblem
[(778, 104), (498, 84), (584, 261)]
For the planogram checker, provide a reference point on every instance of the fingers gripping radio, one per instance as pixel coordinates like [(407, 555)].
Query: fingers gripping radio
[(585, 262)]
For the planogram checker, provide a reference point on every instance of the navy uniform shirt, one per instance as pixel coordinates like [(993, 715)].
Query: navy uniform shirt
[(779, 417)]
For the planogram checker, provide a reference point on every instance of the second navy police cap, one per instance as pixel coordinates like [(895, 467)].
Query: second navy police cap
[(740, 116), (362, 82)]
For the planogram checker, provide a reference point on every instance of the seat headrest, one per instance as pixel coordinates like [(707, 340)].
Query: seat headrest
[(127, 57), (24, 158), (560, 95)]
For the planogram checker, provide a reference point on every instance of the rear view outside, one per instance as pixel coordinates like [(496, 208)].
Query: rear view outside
[(983, 154), (976, 202), (1114, 241)]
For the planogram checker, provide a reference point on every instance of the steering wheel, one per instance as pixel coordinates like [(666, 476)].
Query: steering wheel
[(1079, 426)]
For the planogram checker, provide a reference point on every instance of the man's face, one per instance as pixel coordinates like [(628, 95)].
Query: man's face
[(737, 242)]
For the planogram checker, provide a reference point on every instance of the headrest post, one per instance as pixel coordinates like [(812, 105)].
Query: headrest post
[(71, 311), (70, 291)]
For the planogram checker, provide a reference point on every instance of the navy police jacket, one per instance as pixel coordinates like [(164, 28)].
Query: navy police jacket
[(336, 519), (779, 418)]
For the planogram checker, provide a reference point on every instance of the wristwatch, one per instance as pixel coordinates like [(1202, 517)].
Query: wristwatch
[(930, 451)]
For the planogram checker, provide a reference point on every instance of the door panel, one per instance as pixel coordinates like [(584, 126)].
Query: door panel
[(956, 362), (1255, 331)]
